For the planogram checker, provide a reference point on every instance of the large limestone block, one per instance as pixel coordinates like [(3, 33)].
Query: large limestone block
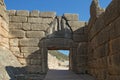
[(99, 24), (80, 38), (111, 12), (35, 34), (35, 20), (14, 25), (115, 31), (101, 51), (26, 26), (42, 27), (82, 49), (11, 12), (30, 42), (3, 32), (29, 49), (14, 42), (22, 13), (34, 13), (47, 14), (114, 64), (18, 19), (15, 49), (4, 24), (3, 40), (115, 45), (77, 26), (34, 69), (17, 34), (71, 17), (46, 20), (57, 43)]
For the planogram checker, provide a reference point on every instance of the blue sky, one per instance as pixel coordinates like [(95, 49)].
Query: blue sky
[(81, 7)]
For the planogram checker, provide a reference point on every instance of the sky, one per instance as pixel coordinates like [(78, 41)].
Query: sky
[(81, 7)]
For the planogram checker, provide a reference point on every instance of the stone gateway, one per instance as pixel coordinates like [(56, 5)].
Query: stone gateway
[(26, 37)]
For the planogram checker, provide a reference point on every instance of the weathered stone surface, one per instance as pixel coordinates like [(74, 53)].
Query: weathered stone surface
[(17, 54), (47, 14), (15, 49), (15, 25), (12, 12), (115, 45), (4, 24), (14, 42), (111, 12), (56, 43), (113, 63), (17, 34), (71, 17), (26, 32), (77, 26), (42, 27), (4, 42), (34, 69), (46, 20), (22, 13), (35, 20), (26, 26), (116, 29), (32, 42), (35, 34), (95, 9), (80, 38), (7, 64), (18, 19), (3, 32), (29, 49), (34, 13)]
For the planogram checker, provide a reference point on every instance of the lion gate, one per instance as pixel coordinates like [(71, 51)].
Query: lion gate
[(59, 35)]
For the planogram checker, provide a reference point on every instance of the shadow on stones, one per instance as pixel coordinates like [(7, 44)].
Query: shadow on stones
[(14, 72)]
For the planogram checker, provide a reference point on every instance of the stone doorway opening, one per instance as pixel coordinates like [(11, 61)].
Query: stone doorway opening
[(58, 59), (53, 44)]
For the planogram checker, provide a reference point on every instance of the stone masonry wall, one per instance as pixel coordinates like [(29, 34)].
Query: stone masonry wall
[(104, 41), (95, 48), (4, 41), (26, 30), (8, 62), (78, 52)]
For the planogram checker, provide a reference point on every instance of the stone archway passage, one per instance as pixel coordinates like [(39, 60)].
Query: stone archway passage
[(52, 44)]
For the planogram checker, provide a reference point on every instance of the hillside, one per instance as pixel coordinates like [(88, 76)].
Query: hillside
[(58, 55)]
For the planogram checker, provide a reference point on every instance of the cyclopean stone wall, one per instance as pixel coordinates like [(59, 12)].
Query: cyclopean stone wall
[(94, 46), (4, 21), (78, 52), (104, 41), (7, 60), (33, 32), (26, 30)]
